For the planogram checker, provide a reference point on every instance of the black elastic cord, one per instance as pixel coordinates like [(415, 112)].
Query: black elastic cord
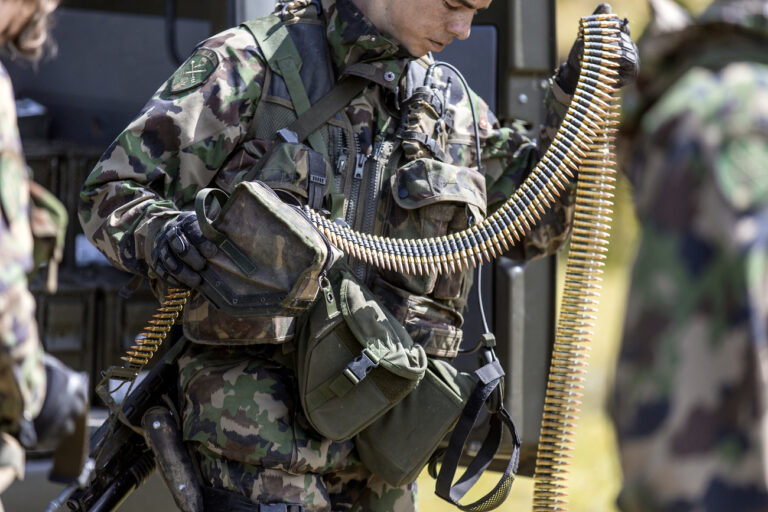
[(478, 150), (468, 91)]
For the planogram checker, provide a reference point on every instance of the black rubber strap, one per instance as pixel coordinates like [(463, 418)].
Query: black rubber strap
[(489, 378)]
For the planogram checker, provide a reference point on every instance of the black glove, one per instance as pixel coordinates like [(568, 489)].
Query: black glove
[(181, 251), (66, 399), (629, 62)]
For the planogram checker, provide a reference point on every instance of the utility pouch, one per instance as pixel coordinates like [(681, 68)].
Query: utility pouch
[(48, 222), (446, 401), (354, 359), (270, 255), (399, 445)]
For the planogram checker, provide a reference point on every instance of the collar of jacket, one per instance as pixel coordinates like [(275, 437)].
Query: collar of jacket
[(358, 48)]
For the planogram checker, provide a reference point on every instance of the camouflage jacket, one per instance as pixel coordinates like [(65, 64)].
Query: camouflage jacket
[(695, 350), (22, 376), (187, 138)]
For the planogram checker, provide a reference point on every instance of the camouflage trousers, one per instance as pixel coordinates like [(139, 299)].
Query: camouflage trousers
[(22, 373), (242, 416), (690, 416)]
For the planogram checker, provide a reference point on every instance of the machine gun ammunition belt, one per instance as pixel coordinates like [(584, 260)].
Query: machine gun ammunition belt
[(595, 102), (579, 143)]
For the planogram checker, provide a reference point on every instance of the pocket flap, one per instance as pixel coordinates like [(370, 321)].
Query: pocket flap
[(424, 182), (380, 333)]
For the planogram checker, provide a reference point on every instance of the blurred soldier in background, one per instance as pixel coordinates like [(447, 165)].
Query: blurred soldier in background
[(30, 413), (690, 401), (215, 121)]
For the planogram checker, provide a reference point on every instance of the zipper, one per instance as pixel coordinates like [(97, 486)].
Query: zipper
[(380, 158), (342, 152), (381, 152), (357, 180)]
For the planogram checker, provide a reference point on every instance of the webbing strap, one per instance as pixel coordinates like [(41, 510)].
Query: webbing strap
[(489, 377), (284, 59), (237, 255), (344, 92), (307, 124)]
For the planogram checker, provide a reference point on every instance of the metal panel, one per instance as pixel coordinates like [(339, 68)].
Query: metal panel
[(527, 53), (477, 59), (108, 66)]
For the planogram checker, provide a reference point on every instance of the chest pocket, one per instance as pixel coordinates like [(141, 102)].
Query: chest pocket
[(432, 199)]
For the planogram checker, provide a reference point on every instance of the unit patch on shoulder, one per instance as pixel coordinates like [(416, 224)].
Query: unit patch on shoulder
[(195, 70)]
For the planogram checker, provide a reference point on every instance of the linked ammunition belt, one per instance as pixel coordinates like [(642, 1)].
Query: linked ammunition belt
[(589, 241), (577, 143), (583, 144)]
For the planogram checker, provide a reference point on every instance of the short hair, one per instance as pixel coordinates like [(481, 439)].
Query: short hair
[(34, 38)]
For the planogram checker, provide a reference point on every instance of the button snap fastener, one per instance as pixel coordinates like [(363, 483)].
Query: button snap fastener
[(389, 76)]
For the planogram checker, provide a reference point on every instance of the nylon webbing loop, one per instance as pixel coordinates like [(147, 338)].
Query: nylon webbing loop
[(489, 378), (240, 258)]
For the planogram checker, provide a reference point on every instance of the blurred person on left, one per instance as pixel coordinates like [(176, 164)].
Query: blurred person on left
[(30, 415)]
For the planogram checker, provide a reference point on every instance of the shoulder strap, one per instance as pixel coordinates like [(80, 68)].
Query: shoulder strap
[(283, 58), (327, 107)]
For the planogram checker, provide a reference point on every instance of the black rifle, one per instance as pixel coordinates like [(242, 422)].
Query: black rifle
[(120, 459)]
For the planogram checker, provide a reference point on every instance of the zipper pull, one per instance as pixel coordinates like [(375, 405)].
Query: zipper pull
[(360, 165), (341, 162), (328, 296)]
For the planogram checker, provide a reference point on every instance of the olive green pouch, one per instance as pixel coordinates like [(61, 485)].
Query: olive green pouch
[(399, 445), (354, 360), (270, 256)]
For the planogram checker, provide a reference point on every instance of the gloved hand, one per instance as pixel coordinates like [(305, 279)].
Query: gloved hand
[(629, 63), (66, 399), (181, 251)]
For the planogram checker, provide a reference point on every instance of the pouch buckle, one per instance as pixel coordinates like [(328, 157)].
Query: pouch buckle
[(358, 369)]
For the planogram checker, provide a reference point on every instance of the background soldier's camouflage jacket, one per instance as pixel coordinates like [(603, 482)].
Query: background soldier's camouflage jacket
[(689, 407), (22, 375), (241, 406)]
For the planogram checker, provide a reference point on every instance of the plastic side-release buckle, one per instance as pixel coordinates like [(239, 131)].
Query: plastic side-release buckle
[(358, 369)]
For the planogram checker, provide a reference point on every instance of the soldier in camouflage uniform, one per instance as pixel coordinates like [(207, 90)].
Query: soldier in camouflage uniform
[(206, 127), (26, 373), (690, 405)]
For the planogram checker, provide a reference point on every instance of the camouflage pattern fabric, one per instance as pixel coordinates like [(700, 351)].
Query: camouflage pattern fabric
[(243, 419), (243, 415), (690, 405), (22, 375)]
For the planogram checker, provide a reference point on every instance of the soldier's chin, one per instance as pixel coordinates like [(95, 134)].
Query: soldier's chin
[(417, 50)]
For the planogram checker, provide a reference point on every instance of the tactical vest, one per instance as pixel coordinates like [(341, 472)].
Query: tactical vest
[(398, 191)]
